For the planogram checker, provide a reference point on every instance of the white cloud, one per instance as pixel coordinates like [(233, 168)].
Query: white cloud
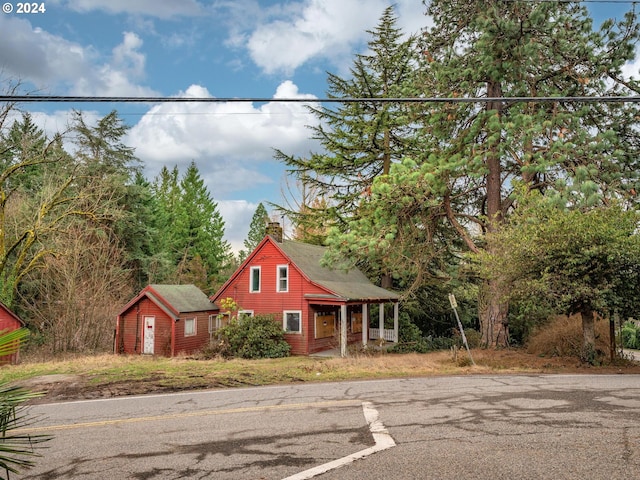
[(321, 30), (237, 216), (152, 8), (117, 77), (35, 55), (55, 62), (632, 69), (225, 136)]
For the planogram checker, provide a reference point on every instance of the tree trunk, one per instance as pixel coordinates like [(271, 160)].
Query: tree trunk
[(588, 336), (493, 312)]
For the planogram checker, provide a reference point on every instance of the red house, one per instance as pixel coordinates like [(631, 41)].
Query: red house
[(319, 307), (165, 320), (9, 321)]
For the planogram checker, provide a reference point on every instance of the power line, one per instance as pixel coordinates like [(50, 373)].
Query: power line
[(74, 99)]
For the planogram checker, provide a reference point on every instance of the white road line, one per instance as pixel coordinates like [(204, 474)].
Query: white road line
[(380, 435)]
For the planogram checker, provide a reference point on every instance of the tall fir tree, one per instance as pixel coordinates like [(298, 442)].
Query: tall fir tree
[(257, 231), (360, 139), (189, 230)]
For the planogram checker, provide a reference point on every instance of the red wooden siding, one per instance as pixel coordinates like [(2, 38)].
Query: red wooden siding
[(8, 322), (190, 344), (131, 336), (169, 340), (270, 301)]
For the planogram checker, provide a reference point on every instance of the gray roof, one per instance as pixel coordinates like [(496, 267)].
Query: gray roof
[(184, 298), (349, 284)]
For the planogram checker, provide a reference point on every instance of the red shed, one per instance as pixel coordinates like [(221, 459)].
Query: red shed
[(9, 321), (165, 320), (319, 307)]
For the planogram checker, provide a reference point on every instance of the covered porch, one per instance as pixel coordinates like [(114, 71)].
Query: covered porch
[(349, 320)]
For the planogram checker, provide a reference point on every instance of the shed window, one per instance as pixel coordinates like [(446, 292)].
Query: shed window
[(255, 280), (292, 321), (189, 327), (283, 278)]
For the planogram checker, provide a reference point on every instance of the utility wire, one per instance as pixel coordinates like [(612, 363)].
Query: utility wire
[(72, 99)]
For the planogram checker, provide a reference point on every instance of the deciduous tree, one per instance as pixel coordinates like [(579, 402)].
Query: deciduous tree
[(577, 262)]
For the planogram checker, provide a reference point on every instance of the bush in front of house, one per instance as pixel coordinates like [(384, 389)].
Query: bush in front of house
[(255, 337)]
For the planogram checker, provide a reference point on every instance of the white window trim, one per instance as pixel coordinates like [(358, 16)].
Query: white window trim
[(278, 278), (195, 327), (212, 324), (284, 321), (220, 317), (245, 312), (253, 269)]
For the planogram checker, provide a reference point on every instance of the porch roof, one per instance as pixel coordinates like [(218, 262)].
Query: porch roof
[(346, 285)]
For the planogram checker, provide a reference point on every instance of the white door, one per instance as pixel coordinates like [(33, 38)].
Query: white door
[(148, 335)]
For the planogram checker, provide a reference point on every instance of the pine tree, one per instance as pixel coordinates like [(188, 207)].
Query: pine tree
[(582, 154)]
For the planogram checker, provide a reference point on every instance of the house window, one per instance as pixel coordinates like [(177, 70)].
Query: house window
[(246, 313), (189, 327), (255, 280), (212, 323), (292, 321), (283, 278)]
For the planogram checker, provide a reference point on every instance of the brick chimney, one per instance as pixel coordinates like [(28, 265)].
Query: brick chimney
[(275, 230)]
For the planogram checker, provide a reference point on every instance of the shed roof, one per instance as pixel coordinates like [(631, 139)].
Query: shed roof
[(184, 298), (174, 299)]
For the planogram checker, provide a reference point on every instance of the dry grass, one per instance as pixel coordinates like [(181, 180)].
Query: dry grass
[(113, 375), (562, 337)]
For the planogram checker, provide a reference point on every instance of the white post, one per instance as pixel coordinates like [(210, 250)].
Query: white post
[(365, 325), (343, 331), (381, 319), (395, 322)]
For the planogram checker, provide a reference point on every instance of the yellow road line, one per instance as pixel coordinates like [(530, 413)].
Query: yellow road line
[(199, 413)]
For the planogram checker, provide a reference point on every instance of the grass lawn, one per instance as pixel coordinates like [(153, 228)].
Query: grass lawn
[(114, 375)]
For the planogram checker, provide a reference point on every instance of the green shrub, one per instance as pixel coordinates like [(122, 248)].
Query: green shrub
[(474, 338), (255, 337), (410, 337), (630, 335)]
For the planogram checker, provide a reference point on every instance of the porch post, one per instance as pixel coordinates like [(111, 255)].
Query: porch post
[(395, 322), (343, 330), (381, 319), (365, 324)]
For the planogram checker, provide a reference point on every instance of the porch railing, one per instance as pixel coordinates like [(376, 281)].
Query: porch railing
[(388, 335)]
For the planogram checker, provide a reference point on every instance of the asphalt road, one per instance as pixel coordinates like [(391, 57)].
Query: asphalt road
[(463, 427)]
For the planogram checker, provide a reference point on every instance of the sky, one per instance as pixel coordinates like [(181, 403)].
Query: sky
[(265, 49)]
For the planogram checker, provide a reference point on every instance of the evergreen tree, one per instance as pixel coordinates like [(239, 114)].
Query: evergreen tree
[(166, 194), (257, 231), (188, 230), (200, 225), (474, 154), (361, 139)]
